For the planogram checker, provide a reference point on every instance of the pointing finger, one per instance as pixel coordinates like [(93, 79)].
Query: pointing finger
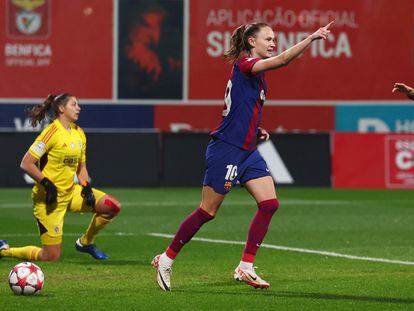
[(329, 25)]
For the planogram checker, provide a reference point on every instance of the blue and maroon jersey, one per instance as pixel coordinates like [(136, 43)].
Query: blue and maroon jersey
[(243, 101)]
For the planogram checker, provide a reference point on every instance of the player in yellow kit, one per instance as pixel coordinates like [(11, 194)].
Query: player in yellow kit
[(56, 157)]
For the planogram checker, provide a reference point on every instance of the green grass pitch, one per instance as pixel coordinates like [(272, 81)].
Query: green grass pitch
[(370, 223)]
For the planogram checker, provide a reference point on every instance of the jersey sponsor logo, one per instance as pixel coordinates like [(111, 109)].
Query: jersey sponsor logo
[(70, 161), (39, 148)]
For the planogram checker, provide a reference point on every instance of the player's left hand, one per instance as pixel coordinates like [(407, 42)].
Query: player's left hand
[(87, 194), (263, 134)]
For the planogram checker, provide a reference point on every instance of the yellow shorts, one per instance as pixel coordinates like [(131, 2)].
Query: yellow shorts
[(50, 218)]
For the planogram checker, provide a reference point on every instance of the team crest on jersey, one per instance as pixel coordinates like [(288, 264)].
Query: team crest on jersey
[(72, 145), (227, 185), (57, 229), (28, 18)]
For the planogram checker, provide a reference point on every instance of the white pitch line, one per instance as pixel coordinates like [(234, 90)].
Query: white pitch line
[(278, 247), (294, 249), (28, 205)]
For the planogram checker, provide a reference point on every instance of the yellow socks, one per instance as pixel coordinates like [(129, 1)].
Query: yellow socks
[(97, 224), (26, 252)]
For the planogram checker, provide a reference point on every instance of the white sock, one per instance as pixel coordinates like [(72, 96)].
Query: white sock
[(246, 265), (166, 260)]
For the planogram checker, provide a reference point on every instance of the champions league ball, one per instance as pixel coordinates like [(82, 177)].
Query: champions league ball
[(26, 278)]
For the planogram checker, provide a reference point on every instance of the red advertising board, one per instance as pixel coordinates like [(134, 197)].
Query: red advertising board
[(366, 39), (399, 161), (373, 161), (53, 46), (178, 118)]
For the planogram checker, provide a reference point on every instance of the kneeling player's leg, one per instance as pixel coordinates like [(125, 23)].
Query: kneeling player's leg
[(106, 209), (28, 253), (50, 251), (50, 224)]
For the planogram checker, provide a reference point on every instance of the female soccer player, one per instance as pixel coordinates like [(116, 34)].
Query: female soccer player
[(56, 157), (405, 89), (231, 155)]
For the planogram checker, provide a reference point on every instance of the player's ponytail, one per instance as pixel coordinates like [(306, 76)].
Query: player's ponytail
[(239, 40), (236, 44), (49, 107)]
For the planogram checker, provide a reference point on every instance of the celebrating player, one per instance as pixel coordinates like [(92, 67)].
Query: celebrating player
[(56, 157), (405, 89), (231, 155)]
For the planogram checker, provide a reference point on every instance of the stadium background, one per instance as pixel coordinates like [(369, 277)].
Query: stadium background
[(150, 81)]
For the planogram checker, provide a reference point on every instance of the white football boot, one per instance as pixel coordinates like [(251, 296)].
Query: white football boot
[(163, 273), (250, 277)]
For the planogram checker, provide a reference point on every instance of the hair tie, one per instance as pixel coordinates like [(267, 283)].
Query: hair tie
[(58, 96), (247, 27)]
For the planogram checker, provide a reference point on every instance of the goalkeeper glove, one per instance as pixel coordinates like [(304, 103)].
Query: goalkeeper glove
[(51, 190), (87, 194)]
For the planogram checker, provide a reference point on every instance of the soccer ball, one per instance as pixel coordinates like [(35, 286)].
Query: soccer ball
[(26, 278)]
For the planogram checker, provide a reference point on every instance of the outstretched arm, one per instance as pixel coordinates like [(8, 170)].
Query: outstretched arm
[(405, 89), (290, 54)]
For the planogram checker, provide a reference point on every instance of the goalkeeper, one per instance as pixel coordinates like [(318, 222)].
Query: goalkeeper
[(53, 160)]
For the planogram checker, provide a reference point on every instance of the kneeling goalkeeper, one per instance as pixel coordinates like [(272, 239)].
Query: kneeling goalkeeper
[(56, 157)]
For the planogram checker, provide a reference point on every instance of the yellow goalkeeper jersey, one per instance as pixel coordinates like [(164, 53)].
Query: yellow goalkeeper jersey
[(59, 152)]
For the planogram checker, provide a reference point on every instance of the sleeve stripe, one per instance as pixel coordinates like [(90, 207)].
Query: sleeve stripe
[(49, 134)]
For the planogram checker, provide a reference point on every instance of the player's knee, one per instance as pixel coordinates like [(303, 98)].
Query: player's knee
[(114, 206), (209, 209), (269, 206), (50, 256)]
